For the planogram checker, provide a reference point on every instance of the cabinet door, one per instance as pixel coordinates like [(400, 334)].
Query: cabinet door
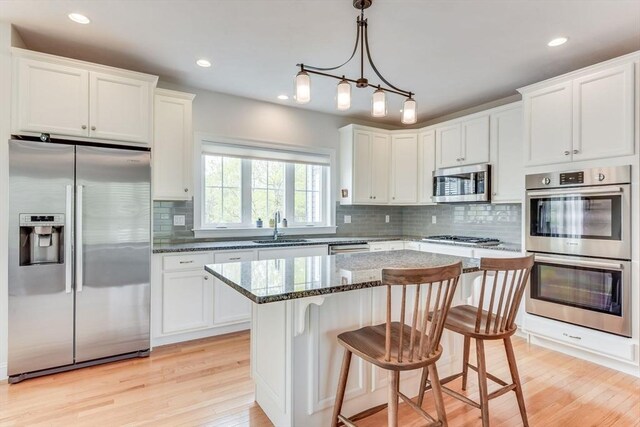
[(172, 175), (548, 125), (51, 98), (507, 169), (187, 301), (404, 169), (475, 141), (427, 163), (120, 108), (603, 114), (380, 153), (448, 140), (362, 167), (229, 305)]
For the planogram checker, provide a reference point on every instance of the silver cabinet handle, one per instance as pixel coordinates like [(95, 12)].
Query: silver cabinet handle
[(186, 262), (68, 261), (462, 159), (576, 151), (575, 337), (566, 153), (237, 258), (93, 128), (79, 272), (84, 126), (186, 190), (206, 277)]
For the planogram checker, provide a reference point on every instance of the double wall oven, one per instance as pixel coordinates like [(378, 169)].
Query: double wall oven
[(579, 227)]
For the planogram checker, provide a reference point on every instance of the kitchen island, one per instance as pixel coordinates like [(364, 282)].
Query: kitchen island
[(300, 305)]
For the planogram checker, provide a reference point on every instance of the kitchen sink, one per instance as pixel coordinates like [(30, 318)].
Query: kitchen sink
[(280, 241)]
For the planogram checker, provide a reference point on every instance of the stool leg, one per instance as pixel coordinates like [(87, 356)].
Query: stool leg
[(342, 385), (511, 358), (465, 361), (423, 385), (393, 387), (437, 394), (482, 381)]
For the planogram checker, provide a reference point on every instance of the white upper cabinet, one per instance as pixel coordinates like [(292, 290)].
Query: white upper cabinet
[(65, 97), (448, 145), (426, 165), (603, 114), (364, 166), (507, 180), (51, 98), (548, 130), (119, 108), (475, 141), (404, 168), (584, 115), (462, 142), (172, 146)]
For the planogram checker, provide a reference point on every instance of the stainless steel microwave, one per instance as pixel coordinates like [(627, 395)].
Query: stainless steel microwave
[(464, 184)]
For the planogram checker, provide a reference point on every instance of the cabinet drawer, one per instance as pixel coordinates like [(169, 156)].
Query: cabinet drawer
[(233, 257), (185, 262)]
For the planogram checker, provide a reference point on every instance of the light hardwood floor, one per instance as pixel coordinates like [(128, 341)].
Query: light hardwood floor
[(206, 382)]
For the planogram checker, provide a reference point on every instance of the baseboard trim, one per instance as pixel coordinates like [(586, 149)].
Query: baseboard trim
[(3, 372), (205, 333)]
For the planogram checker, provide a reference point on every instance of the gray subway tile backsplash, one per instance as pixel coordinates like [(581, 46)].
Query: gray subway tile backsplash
[(480, 220)]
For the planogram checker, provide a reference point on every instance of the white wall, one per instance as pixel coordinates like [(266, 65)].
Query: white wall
[(5, 108)]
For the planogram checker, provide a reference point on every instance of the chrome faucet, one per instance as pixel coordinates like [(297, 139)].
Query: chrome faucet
[(276, 220)]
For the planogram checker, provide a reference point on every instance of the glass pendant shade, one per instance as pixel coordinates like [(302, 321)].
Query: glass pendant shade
[(409, 114), (343, 98), (303, 88), (379, 104)]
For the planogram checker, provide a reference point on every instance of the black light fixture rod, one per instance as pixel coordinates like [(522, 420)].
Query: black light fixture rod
[(320, 73)]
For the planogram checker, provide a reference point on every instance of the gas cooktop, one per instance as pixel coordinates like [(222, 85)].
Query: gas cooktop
[(463, 240)]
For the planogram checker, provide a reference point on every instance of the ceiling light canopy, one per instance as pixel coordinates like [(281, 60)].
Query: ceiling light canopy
[(343, 96), (557, 41), (204, 63), (79, 18)]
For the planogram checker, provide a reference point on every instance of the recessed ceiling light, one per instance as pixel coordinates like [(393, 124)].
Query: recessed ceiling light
[(557, 41), (283, 97), (203, 63), (79, 18)]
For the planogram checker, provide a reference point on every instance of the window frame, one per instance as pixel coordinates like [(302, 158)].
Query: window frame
[(248, 229)]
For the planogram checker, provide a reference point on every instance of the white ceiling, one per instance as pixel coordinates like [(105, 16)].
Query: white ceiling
[(453, 54)]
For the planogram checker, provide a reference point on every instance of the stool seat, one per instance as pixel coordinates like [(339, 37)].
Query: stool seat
[(369, 344), (462, 319)]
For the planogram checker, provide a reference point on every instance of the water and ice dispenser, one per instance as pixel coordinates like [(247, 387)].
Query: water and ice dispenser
[(41, 239)]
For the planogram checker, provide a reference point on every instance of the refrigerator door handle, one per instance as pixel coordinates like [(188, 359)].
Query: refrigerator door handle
[(79, 273), (68, 279)]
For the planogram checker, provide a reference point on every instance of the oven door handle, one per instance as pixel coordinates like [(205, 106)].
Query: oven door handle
[(581, 263), (603, 191)]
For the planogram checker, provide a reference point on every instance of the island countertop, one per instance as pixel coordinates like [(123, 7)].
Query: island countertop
[(299, 277)]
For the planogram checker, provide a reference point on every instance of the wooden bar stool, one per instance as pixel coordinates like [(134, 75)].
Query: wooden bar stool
[(496, 322), (395, 346)]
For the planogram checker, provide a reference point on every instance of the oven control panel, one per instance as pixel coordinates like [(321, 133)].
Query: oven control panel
[(572, 178)]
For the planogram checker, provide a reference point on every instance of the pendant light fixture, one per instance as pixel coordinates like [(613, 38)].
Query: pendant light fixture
[(343, 96)]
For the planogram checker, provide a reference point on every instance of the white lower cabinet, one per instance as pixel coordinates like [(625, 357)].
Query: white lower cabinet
[(189, 303), (186, 301)]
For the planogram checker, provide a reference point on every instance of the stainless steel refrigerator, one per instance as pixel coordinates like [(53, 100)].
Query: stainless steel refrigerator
[(79, 256)]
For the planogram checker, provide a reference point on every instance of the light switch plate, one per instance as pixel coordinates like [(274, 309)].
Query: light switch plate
[(347, 219), (178, 219), (386, 218), (433, 219)]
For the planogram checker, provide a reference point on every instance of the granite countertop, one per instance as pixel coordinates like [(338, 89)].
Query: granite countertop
[(331, 241), (299, 277)]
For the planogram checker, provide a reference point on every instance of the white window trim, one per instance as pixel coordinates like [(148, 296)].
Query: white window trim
[(330, 184)]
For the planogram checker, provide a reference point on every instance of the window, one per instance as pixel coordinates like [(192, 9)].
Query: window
[(242, 184)]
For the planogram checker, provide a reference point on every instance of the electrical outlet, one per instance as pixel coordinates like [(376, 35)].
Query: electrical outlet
[(386, 218), (178, 219), (433, 219), (347, 219)]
